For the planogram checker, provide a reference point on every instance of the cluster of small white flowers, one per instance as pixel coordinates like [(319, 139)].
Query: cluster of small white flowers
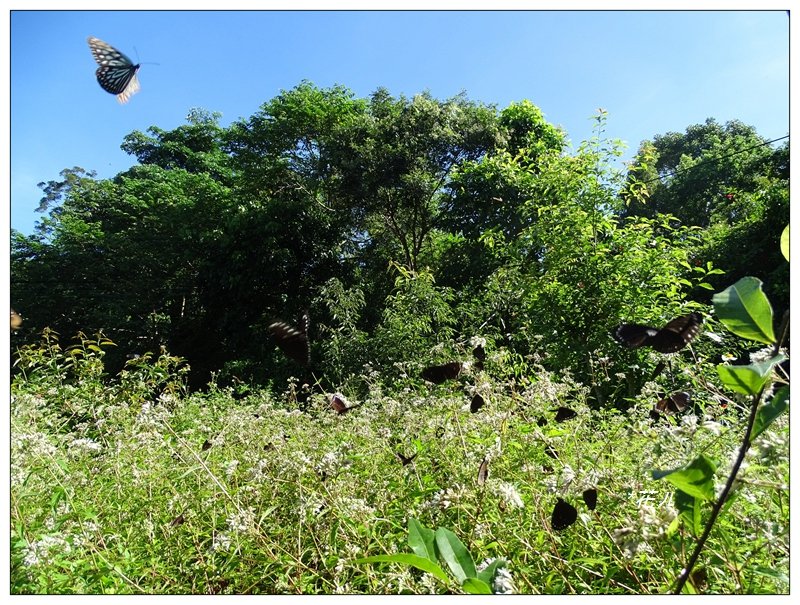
[(503, 583), (151, 418), (769, 448), (84, 445), (310, 505), (356, 508), (167, 398), (445, 498), (762, 355), (567, 477), (332, 463), (628, 541), (242, 521), (508, 493), (656, 519), (43, 550), (230, 468), (713, 427), (495, 449), (221, 542)]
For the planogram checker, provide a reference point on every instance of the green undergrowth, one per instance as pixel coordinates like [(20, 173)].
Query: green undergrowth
[(131, 485)]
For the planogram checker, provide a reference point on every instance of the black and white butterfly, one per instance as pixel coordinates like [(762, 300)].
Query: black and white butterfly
[(671, 338), (438, 374), (117, 73), (564, 515), (293, 341)]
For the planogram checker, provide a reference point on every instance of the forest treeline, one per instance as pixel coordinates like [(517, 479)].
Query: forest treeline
[(405, 227)]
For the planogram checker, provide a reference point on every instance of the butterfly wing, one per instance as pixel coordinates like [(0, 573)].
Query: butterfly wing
[(483, 472), (563, 414), (633, 336), (438, 374), (477, 403), (677, 333), (590, 498), (291, 341), (674, 403), (116, 72), (16, 320), (338, 404), (564, 515)]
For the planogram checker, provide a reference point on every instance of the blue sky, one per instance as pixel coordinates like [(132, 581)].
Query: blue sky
[(654, 72)]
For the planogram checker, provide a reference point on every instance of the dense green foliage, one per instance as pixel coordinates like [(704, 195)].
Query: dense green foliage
[(178, 450)]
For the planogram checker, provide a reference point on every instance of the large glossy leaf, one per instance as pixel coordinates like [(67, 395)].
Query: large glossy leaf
[(455, 555), (476, 586), (748, 379), (696, 479), (409, 559), (767, 413), (421, 540), (744, 309)]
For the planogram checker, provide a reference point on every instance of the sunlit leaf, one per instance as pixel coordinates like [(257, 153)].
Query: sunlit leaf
[(785, 242), (408, 559), (748, 379), (455, 555), (744, 309), (767, 413), (696, 479), (421, 540)]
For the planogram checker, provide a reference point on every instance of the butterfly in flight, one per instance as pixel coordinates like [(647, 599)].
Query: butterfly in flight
[(117, 73), (477, 403), (564, 515), (293, 341), (406, 460), (671, 338), (438, 374)]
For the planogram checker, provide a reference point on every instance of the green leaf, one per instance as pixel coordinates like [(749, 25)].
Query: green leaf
[(745, 310), (411, 560), (421, 540), (689, 511), (785, 242), (487, 575), (476, 586), (696, 479), (455, 555), (748, 379), (767, 413)]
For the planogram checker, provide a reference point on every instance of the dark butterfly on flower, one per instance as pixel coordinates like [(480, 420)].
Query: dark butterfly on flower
[(551, 452), (16, 320), (477, 403), (564, 515), (406, 460), (339, 405), (179, 520), (479, 353), (671, 338), (563, 414), (117, 73), (206, 445), (483, 472), (590, 498), (293, 341), (671, 404), (542, 421), (438, 374)]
